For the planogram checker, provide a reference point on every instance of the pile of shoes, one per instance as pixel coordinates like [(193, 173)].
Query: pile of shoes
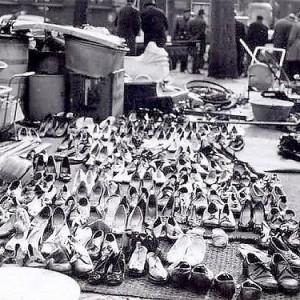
[(55, 125), (289, 146), (144, 179)]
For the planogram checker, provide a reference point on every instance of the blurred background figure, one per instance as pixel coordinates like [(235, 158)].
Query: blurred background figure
[(128, 24), (154, 24), (80, 13), (282, 31), (240, 33), (257, 34), (180, 33), (281, 35), (293, 50), (196, 31)]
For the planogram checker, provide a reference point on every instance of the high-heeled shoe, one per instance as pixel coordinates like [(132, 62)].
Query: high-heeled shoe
[(50, 168), (65, 170)]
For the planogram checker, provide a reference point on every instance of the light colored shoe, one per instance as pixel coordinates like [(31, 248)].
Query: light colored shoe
[(151, 213), (136, 264), (119, 222), (79, 177), (219, 238), (195, 251), (112, 204), (227, 221), (178, 250), (211, 216), (157, 273), (135, 220), (158, 227), (173, 229), (94, 245)]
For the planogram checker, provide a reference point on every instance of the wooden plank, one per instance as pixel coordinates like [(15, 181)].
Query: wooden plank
[(92, 34)]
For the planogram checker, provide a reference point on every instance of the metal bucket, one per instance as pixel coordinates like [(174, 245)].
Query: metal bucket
[(14, 52)]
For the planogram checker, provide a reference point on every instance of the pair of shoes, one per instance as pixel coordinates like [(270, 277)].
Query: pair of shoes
[(199, 277), (252, 217), (224, 284), (213, 216), (278, 274), (167, 227), (277, 245), (110, 271), (189, 248)]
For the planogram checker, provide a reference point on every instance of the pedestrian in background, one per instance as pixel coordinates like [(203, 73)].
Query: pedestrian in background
[(180, 33), (80, 13), (282, 31), (154, 24), (196, 30), (281, 35), (257, 34), (240, 33), (293, 50), (128, 24)]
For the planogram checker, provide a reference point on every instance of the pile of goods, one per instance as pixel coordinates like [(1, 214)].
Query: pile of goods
[(144, 181)]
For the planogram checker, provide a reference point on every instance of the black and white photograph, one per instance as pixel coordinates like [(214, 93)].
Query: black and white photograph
[(149, 149)]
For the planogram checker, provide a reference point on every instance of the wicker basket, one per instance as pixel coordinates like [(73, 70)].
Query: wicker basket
[(269, 109)]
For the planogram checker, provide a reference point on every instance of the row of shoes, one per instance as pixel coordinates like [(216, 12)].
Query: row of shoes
[(55, 125)]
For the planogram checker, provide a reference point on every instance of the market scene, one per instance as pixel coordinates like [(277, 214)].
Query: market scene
[(149, 149)]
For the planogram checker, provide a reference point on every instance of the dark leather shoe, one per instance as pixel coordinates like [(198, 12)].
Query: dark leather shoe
[(256, 270), (116, 271), (245, 221), (225, 285), (180, 274), (201, 278), (249, 291), (276, 245), (281, 270)]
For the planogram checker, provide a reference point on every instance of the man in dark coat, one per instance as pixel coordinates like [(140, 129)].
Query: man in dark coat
[(80, 13), (180, 33), (282, 31), (257, 34), (154, 24), (128, 25), (240, 33), (196, 29)]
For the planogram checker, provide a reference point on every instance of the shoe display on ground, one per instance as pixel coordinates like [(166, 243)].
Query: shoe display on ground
[(249, 291), (225, 284), (281, 270), (157, 273), (276, 245), (258, 271), (201, 278), (136, 264)]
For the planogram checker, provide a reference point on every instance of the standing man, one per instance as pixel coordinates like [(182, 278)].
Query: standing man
[(80, 13), (257, 34), (154, 24), (293, 49), (128, 25), (240, 33), (180, 33), (196, 30)]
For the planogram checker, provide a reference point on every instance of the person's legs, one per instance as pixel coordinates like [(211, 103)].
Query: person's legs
[(131, 45), (183, 63)]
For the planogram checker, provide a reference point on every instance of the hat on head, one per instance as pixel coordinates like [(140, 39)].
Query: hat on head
[(149, 2)]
